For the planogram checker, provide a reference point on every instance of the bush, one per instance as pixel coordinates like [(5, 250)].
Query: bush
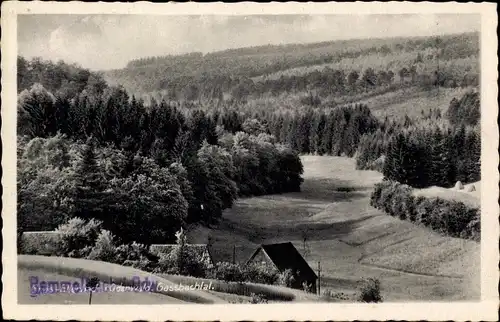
[(286, 278), (258, 299), (473, 229), (182, 260), (452, 218), (260, 274), (370, 291), (104, 248), (78, 237), (166, 264), (306, 287), (330, 295), (136, 255), (228, 272)]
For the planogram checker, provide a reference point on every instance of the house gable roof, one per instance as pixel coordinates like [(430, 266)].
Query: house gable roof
[(286, 256)]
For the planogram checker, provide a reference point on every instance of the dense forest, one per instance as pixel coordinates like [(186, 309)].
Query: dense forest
[(432, 150), (107, 156), (187, 135)]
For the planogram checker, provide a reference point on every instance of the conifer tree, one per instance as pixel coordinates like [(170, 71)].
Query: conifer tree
[(317, 128), (90, 185)]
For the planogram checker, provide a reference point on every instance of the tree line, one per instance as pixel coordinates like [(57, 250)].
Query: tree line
[(143, 171), (433, 150), (325, 82)]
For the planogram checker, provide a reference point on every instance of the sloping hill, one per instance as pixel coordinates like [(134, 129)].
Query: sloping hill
[(351, 239), (61, 269), (412, 101), (64, 269), (196, 75)]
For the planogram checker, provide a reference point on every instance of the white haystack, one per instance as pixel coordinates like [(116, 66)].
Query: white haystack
[(459, 185), (471, 188)]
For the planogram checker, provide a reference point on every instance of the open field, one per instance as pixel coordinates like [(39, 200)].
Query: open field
[(351, 239), (412, 101)]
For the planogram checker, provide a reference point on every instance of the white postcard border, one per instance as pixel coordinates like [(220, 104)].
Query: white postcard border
[(486, 309)]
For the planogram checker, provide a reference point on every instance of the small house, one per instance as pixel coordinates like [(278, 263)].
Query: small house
[(283, 256)]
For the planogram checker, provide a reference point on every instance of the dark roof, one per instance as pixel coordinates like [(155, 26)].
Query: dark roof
[(224, 253), (286, 256)]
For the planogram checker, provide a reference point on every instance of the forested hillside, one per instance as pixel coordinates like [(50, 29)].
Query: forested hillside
[(329, 69), (144, 171), (191, 133)]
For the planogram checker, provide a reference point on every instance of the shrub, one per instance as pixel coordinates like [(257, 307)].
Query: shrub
[(449, 217), (329, 295), (182, 260), (194, 265), (258, 299), (228, 272), (136, 255), (286, 278), (78, 237), (400, 201), (47, 243), (306, 287), (104, 248), (375, 196), (262, 274), (473, 229), (166, 264), (370, 291)]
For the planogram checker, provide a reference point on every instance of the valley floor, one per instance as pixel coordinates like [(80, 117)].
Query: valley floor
[(350, 239)]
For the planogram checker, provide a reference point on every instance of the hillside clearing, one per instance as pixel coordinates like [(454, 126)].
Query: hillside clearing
[(412, 101), (350, 238)]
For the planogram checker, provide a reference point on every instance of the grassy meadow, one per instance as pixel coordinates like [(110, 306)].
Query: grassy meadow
[(351, 239), (412, 101)]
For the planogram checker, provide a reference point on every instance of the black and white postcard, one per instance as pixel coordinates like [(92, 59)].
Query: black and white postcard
[(277, 161)]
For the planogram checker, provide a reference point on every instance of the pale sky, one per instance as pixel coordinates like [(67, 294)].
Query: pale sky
[(110, 41)]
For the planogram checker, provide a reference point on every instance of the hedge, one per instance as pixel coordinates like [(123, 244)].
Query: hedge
[(448, 217)]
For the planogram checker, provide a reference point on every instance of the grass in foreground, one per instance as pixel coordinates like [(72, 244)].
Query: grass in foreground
[(106, 272), (25, 297), (271, 292)]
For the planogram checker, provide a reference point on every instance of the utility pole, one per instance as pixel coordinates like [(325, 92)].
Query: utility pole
[(234, 254), (319, 278)]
